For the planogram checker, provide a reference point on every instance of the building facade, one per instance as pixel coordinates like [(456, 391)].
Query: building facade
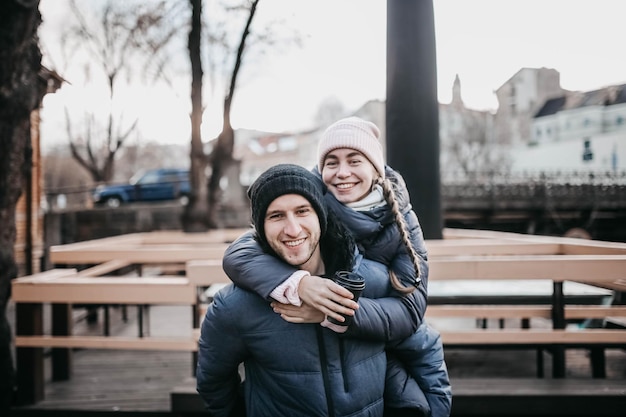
[(519, 98), (579, 131)]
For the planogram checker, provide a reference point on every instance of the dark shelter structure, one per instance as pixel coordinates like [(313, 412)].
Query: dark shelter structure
[(412, 113)]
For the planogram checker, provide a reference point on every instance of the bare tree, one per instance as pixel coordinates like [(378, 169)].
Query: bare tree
[(21, 91), (222, 154), (123, 32), (195, 218), (220, 157), (472, 151)]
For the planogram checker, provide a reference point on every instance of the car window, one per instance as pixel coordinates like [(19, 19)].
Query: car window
[(150, 177), (170, 177)]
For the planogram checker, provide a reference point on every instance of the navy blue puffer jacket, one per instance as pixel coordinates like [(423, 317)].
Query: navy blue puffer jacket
[(290, 369), (383, 314)]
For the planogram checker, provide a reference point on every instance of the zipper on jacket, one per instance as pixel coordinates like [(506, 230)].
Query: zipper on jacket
[(346, 387), (323, 366)]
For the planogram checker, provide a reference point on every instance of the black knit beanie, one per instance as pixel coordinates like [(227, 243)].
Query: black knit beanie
[(285, 179)]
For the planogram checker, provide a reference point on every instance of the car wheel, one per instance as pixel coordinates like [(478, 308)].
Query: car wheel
[(113, 202)]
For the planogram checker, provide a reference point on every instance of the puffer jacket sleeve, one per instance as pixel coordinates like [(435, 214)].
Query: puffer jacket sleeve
[(249, 267), (382, 317), (220, 352)]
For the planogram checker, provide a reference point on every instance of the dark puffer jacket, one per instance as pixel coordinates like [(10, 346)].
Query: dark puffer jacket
[(383, 313), (420, 354), (290, 369), (378, 238)]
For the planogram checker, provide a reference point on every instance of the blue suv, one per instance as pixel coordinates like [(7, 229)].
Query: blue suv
[(153, 185)]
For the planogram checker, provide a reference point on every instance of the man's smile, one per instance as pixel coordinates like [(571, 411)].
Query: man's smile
[(294, 243)]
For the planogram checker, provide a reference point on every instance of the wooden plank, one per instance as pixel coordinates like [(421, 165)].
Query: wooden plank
[(592, 247), (591, 312), (206, 272), (508, 392), (488, 311), (168, 269), (616, 285), (571, 397), (188, 344), (129, 239), (104, 268), (460, 247), (105, 290), (537, 386), (587, 268), (568, 246), (179, 237), (525, 337), (172, 253), (50, 274), (495, 311)]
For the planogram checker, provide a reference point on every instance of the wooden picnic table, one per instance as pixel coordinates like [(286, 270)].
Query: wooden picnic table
[(61, 289), (166, 247), (467, 257)]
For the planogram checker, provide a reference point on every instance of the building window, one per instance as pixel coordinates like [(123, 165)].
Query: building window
[(587, 152)]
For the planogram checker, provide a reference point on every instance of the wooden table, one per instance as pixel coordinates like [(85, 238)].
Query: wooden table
[(472, 257), (467, 256), (147, 248), (61, 289)]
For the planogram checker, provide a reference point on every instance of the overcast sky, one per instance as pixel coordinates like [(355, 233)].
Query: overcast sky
[(485, 42)]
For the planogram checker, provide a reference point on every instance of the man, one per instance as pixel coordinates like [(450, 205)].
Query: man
[(290, 369)]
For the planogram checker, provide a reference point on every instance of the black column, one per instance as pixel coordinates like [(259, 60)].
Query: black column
[(62, 322), (412, 112), (29, 361)]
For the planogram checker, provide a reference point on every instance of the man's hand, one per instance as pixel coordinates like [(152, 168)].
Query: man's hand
[(298, 314), (327, 296)]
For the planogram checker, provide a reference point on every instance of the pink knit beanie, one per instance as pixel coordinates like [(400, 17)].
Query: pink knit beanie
[(353, 133)]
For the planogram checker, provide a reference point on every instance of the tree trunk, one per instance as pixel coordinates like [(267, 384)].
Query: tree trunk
[(222, 156), (195, 215), (21, 91)]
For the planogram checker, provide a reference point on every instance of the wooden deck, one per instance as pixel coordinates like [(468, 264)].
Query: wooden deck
[(120, 380), (140, 382)]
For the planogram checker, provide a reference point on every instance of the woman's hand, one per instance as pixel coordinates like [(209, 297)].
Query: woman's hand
[(328, 297), (298, 314)]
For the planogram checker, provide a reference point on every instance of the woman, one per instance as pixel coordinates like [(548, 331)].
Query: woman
[(372, 201)]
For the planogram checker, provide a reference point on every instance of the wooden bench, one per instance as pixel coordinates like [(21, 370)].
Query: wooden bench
[(553, 340), (63, 287), (484, 397), (104, 268), (558, 268), (499, 311)]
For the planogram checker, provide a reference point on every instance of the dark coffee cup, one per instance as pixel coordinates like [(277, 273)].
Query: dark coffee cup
[(354, 283)]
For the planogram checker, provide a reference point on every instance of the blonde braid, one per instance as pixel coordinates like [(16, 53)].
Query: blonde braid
[(390, 197)]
